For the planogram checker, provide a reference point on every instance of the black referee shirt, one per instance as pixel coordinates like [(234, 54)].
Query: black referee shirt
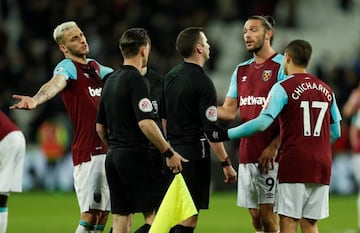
[(189, 103), (124, 102)]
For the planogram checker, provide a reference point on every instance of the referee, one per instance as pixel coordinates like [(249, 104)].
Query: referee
[(189, 107), (125, 122)]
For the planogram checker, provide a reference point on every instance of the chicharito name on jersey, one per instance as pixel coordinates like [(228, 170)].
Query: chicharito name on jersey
[(302, 87)]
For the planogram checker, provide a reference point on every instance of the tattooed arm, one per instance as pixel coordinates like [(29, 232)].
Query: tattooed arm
[(45, 93)]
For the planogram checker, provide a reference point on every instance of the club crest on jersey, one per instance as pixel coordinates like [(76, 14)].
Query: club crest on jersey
[(145, 105), (266, 75), (211, 113)]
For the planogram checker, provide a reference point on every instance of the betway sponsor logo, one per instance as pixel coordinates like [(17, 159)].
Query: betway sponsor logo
[(95, 92), (252, 100)]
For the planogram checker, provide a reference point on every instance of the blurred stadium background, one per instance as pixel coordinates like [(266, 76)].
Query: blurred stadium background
[(28, 55)]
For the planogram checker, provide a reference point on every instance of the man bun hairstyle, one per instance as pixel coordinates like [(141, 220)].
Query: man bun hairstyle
[(268, 23)]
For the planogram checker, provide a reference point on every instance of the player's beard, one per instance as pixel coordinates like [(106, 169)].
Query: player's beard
[(79, 52), (257, 46)]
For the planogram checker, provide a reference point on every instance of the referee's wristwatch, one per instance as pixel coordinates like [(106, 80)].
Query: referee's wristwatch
[(226, 162), (168, 153)]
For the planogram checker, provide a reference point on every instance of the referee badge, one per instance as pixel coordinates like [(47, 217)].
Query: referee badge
[(145, 105), (266, 75), (211, 113)]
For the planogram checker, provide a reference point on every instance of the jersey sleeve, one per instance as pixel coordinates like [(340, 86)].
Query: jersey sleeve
[(66, 68), (104, 71), (258, 124), (279, 58), (334, 111), (232, 91)]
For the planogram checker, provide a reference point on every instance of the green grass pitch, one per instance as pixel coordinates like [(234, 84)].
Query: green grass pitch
[(41, 212)]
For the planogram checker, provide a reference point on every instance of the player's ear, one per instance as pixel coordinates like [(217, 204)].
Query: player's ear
[(287, 57), (198, 48), (142, 51), (63, 48), (269, 34)]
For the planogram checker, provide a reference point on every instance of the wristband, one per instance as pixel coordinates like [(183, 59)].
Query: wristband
[(225, 163), (168, 153)]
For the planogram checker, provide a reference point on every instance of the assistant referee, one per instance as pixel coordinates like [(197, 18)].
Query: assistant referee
[(125, 122)]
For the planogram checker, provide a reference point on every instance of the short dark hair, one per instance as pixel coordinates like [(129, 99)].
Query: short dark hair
[(268, 23), (187, 39), (131, 41), (300, 52)]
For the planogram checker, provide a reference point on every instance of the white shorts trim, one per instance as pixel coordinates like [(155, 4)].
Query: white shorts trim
[(91, 186), (298, 200), (255, 188), (12, 155)]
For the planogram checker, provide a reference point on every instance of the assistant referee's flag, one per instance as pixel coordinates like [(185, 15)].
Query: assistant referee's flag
[(176, 206)]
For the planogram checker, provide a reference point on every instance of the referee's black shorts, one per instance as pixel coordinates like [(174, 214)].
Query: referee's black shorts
[(134, 184), (196, 172)]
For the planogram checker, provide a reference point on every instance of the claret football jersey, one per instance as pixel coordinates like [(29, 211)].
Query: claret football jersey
[(250, 84), (81, 98)]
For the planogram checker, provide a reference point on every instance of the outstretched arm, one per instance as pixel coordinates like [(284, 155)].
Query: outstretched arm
[(45, 93), (218, 134), (258, 124), (275, 102)]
